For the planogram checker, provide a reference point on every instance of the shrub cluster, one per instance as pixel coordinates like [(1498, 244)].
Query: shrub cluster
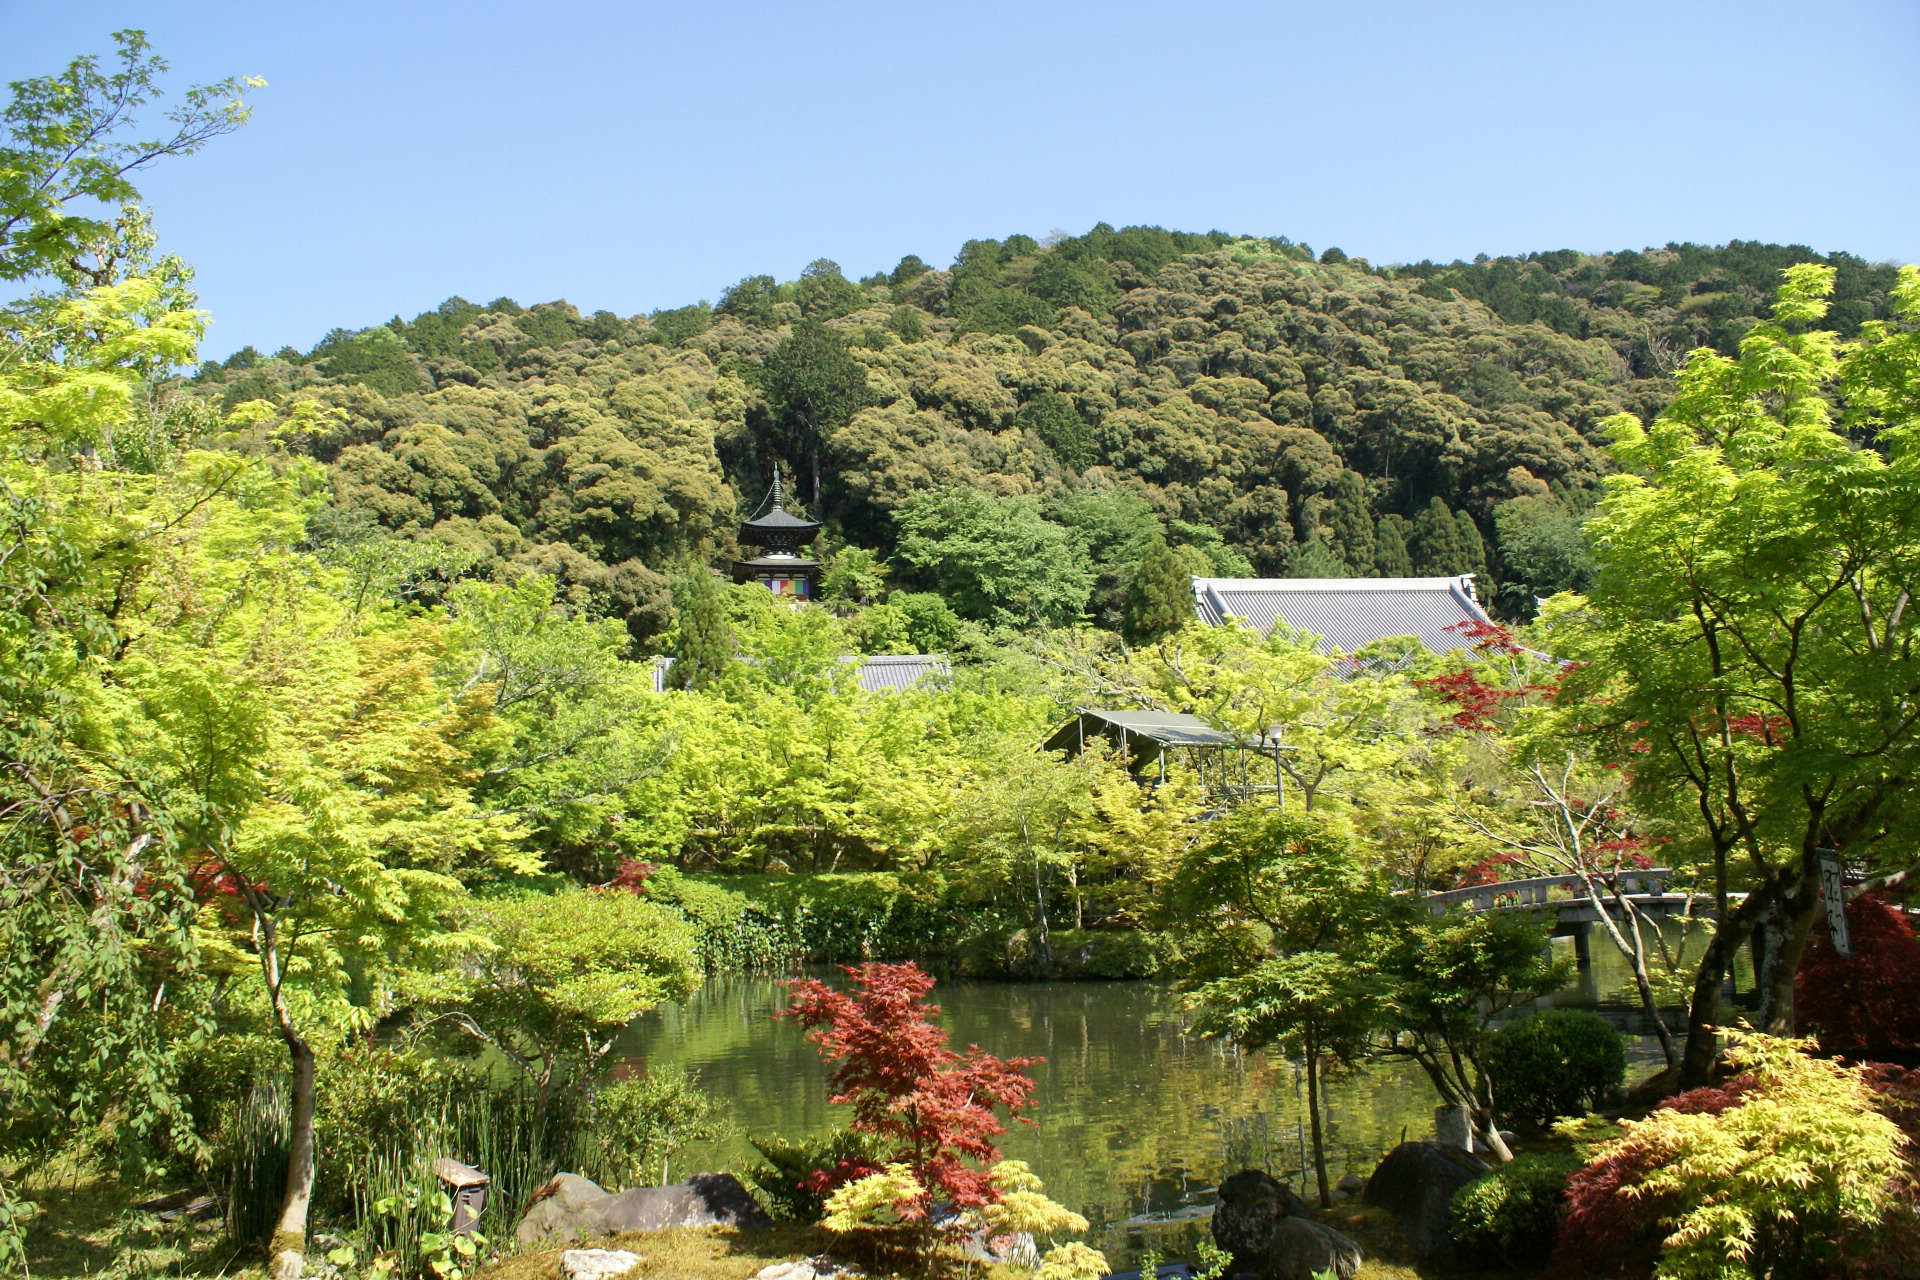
[(1553, 1064), (1513, 1211)]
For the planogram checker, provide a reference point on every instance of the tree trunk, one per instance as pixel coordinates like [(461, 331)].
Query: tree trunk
[(1637, 955), (1776, 1015), (288, 1249), (1703, 1008), (1042, 940), (1313, 1106), (1484, 1120), (1482, 1111), (815, 513), (1490, 1135)]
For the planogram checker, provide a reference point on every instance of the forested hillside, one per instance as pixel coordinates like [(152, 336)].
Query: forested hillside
[(1252, 406)]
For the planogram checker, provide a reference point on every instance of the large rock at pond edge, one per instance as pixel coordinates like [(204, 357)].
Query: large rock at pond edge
[(1303, 1248), (704, 1200), (572, 1208), (555, 1213), (1251, 1204), (1415, 1183)]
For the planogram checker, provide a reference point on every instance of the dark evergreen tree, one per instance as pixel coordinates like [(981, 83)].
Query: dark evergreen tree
[(1349, 524), (1390, 558), (813, 386), (1315, 559), (1473, 549), (906, 325), (1052, 417), (703, 646), (1437, 548), (1159, 600), (911, 268)]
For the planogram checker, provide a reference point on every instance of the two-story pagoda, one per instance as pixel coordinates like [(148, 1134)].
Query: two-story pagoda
[(779, 567)]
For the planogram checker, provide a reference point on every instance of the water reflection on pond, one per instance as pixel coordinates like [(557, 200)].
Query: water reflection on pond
[(1133, 1115)]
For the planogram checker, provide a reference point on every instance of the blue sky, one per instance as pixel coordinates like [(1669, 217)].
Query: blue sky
[(636, 156)]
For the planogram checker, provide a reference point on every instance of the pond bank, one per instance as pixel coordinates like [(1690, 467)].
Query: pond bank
[(1133, 1117)]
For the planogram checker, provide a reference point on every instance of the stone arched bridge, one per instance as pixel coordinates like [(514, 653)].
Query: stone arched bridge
[(1566, 896)]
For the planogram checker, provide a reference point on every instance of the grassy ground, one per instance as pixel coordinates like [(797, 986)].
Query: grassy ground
[(721, 1253), (713, 1253), (82, 1226)]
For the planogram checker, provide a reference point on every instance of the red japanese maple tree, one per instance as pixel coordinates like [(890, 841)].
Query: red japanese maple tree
[(1867, 1006), (931, 1107)]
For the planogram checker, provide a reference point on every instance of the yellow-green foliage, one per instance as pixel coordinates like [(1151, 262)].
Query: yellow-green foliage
[(873, 1199), (1073, 1262), (1802, 1157), (1022, 1207)]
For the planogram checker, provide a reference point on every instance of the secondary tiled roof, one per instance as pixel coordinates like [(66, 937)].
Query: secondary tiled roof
[(879, 673), (1347, 613), (892, 672)]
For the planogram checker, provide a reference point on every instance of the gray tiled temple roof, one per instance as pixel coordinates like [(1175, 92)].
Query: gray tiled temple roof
[(1347, 613)]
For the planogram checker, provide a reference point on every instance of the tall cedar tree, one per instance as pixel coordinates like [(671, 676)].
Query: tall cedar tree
[(1473, 548), (1390, 559), (703, 646), (929, 1107), (1159, 600), (813, 386), (1349, 523), (1437, 548), (1052, 417)]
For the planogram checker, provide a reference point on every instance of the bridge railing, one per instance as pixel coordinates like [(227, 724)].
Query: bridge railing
[(1538, 891)]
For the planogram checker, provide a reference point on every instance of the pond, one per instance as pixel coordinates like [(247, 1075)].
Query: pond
[(1134, 1116)]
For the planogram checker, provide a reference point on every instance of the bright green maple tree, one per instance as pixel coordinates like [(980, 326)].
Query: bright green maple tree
[(551, 978), (1747, 647), (1277, 912)]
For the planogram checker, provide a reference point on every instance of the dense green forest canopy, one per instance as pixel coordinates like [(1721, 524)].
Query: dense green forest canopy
[(1255, 406)]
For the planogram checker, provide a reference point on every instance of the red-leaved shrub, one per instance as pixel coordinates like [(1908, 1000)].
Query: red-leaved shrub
[(1869, 1006), (632, 875), (1605, 1235), (1893, 1251), (929, 1107)]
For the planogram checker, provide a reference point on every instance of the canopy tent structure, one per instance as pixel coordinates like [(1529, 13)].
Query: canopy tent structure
[(1347, 614), (1142, 740)]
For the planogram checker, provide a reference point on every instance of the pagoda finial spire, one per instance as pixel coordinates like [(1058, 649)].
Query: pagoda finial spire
[(776, 486)]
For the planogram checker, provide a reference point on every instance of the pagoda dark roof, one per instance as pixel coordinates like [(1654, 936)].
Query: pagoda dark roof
[(782, 520)]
